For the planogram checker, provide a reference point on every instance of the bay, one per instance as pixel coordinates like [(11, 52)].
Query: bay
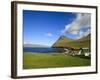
[(42, 50)]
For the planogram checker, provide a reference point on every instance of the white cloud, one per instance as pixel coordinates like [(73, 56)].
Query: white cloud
[(82, 21), (28, 42), (49, 34), (83, 34)]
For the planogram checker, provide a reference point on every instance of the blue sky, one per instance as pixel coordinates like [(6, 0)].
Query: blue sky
[(43, 27)]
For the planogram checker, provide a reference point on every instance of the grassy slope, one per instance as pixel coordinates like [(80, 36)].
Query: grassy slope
[(79, 44), (64, 42), (52, 60), (61, 42), (83, 42)]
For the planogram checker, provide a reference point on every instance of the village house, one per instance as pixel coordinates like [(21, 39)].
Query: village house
[(81, 51)]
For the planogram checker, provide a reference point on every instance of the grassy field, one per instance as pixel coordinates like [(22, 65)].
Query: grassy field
[(50, 60)]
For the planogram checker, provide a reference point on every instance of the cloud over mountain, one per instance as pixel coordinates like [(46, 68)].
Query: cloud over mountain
[(80, 26)]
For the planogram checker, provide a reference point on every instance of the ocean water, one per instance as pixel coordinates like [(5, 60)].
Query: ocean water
[(42, 50)]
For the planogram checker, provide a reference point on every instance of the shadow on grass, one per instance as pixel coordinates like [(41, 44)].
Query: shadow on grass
[(85, 57)]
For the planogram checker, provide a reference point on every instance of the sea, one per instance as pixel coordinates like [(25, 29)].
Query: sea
[(42, 50)]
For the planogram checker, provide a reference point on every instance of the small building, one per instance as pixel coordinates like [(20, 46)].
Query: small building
[(81, 51), (86, 51)]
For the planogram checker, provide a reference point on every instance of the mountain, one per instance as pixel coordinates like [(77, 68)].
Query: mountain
[(35, 45), (69, 43), (86, 37), (61, 42)]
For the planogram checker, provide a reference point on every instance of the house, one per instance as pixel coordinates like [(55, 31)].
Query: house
[(86, 51), (71, 51), (81, 51)]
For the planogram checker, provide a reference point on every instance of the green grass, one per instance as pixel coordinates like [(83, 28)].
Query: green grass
[(38, 60)]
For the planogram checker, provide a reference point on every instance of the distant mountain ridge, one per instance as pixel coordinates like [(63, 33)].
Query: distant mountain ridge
[(79, 43), (35, 45)]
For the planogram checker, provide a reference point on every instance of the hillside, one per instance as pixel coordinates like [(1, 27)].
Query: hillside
[(79, 43), (61, 42)]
